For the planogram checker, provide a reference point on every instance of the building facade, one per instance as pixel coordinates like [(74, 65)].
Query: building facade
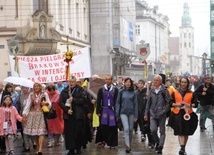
[(41, 27), (153, 28), (112, 30)]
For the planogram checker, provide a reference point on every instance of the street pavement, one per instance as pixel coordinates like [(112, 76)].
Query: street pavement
[(201, 143)]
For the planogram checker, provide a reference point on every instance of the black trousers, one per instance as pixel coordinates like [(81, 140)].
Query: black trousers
[(2, 143)]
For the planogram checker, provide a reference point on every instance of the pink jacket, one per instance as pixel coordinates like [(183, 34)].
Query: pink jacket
[(14, 115)]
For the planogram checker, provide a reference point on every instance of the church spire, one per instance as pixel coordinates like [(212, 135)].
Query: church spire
[(186, 19)]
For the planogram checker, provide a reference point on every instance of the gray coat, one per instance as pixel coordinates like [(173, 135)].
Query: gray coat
[(158, 104)]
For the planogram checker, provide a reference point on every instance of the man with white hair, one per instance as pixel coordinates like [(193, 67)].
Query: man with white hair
[(157, 106)]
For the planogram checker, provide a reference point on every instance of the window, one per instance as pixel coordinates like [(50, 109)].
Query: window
[(40, 5), (85, 21), (77, 18), (212, 31), (60, 12), (212, 47), (185, 44), (189, 45), (189, 35), (1, 46), (69, 14), (17, 11), (8, 74), (184, 35), (137, 29), (212, 15)]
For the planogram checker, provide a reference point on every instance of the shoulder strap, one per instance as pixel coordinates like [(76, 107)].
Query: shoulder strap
[(163, 94), (121, 94)]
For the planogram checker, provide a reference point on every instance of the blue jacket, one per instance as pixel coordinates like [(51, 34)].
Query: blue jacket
[(127, 103)]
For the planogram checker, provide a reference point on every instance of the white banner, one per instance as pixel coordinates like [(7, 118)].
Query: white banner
[(51, 68)]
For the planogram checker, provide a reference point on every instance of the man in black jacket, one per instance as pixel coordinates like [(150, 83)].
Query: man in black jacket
[(72, 101), (144, 125), (205, 93)]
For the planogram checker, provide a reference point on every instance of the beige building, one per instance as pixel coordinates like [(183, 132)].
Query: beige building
[(41, 27)]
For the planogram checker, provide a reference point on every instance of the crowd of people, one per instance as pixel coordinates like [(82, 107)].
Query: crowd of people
[(120, 106)]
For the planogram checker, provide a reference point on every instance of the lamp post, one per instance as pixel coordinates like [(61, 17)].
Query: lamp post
[(204, 57)]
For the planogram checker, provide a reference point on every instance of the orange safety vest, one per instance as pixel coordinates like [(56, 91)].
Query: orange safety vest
[(171, 89), (178, 98)]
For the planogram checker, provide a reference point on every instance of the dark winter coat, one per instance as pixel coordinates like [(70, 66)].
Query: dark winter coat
[(78, 103), (208, 98)]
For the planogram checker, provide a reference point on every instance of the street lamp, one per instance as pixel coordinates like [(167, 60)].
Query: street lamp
[(204, 57)]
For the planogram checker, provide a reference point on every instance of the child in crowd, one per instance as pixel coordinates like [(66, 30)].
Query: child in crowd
[(8, 116)]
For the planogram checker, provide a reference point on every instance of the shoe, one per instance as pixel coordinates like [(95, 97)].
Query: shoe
[(61, 139), (143, 138), (159, 151), (50, 144), (84, 146), (26, 150), (151, 146), (182, 152), (102, 144), (128, 149), (202, 129), (34, 146), (7, 153), (79, 151), (11, 152), (136, 132), (156, 147), (71, 152), (39, 153), (57, 144)]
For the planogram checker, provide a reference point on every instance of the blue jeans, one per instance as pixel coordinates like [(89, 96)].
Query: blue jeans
[(128, 122)]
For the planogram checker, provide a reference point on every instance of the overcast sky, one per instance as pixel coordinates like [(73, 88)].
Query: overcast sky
[(200, 14)]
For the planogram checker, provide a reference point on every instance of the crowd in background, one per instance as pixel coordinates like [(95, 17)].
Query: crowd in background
[(123, 105)]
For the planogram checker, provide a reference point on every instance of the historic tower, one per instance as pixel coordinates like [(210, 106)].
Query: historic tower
[(186, 43)]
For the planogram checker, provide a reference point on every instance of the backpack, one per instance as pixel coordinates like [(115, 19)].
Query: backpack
[(168, 111)]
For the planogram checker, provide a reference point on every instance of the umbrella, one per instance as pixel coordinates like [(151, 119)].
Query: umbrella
[(19, 81), (94, 86)]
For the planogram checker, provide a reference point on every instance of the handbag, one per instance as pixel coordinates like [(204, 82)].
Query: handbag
[(51, 114), (96, 121), (45, 109)]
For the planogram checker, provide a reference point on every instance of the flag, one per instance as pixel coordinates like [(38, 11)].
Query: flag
[(163, 58)]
